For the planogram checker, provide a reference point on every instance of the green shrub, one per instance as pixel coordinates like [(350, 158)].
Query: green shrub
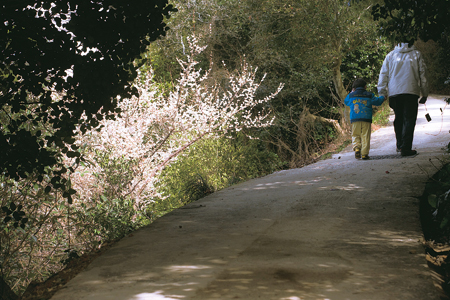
[(214, 164), (110, 212), (437, 196), (33, 241), (365, 62)]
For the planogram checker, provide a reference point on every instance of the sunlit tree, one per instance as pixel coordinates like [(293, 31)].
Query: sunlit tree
[(155, 127)]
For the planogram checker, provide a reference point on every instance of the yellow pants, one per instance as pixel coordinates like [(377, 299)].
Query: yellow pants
[(361, 136)]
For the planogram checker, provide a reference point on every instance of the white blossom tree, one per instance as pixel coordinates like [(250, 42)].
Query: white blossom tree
[(156, 127)]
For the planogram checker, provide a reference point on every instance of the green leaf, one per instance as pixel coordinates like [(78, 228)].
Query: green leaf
[(6, 210), (16, 216), (444, 223), (433, 200), (48, 189)]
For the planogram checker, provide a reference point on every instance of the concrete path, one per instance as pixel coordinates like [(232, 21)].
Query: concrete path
[(338, 229)]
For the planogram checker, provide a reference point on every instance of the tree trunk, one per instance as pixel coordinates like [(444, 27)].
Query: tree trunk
[(5, 291), (341, 93)]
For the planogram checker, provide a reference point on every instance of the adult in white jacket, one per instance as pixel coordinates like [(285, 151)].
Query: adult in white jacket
[(403, 79)]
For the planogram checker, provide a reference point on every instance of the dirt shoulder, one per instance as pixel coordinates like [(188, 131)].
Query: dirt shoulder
[(338, 229)]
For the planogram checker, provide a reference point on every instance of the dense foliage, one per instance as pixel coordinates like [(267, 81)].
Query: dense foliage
[(83, 50), (212, 165), (407, 20)]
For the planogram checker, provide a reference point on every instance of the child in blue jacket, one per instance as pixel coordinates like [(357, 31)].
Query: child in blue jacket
[(360, 102)]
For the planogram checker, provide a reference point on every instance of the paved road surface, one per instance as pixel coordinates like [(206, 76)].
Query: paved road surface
[(338, 229)]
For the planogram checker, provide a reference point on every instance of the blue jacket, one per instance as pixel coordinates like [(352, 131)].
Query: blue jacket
[(360, 102)]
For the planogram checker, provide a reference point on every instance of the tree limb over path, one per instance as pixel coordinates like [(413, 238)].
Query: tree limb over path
[(85, 52)]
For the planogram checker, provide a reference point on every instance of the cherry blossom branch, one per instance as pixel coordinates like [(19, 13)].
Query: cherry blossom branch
[(154, 129)]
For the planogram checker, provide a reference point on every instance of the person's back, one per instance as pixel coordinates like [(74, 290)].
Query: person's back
[(403, 79), (403, 73), (360, 102)]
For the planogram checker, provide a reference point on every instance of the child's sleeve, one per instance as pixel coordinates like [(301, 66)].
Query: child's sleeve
[(377, 101), (347, 100)]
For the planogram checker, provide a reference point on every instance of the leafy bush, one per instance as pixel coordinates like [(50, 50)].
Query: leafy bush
[(214, 164), (437, 197), (31, 246), (365, 62), (109, 211)]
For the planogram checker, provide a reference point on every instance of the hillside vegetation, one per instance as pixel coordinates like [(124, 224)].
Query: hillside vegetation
[(118, 126)]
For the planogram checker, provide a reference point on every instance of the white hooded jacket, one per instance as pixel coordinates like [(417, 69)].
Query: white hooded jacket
[(403, 72)]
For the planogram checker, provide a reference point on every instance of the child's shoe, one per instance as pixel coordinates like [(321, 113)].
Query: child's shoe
[(357, 153), (365, 157)]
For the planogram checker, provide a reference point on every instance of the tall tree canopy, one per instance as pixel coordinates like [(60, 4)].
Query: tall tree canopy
[(408, 19), (61, 60), (304, 42)]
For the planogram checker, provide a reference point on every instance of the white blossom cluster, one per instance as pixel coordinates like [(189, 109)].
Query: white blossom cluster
[(154, 128)]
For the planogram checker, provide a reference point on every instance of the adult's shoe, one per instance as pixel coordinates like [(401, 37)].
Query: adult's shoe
[(409, 152)]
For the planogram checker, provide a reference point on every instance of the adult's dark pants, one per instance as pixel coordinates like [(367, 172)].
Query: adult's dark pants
[(405, 107)]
